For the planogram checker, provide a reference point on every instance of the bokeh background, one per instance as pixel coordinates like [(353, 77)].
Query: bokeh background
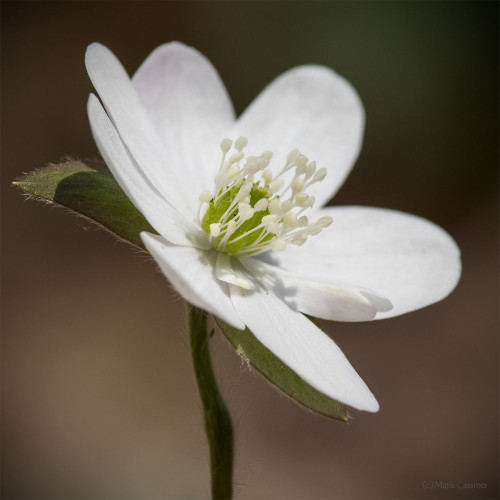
[(98, 396)]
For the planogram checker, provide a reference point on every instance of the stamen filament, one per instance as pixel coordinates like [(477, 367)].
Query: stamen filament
[(250, 210)]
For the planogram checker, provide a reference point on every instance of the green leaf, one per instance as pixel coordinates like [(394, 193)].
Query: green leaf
[(89, 189), (247, 345)]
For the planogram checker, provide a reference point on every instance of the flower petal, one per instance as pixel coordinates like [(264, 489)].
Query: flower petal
[(315, 110), (409, 260), (136, 130), (189, 107), (332, 301), (191, 272), (224, 271), (302, 346), (159, 213)]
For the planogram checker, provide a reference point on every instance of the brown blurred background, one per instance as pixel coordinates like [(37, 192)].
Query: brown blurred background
[(98, 396)]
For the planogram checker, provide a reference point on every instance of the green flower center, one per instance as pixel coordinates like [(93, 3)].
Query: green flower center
[(251, 210), (247, 229)]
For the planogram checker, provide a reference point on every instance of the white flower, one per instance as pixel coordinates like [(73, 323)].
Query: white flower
[(161, 134)]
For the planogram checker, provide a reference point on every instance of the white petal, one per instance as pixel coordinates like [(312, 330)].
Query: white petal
[(315, 110), (160, 214), (136, 130), (191, 272), (332, 301), (189, 107), (302, 346), (224, 271), (409, 260)]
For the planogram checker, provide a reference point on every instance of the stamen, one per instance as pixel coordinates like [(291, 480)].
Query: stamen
[(297, 185), (225, 145), (286, 206), (302, 221), (299, 239), (290, 220), (267, 175), (205, 196), (276, 185), (215, 230), (310, 169), (240, 143), (300, 199), (278, 245), (261, 205), (325, 221), (274, 207), (319, 175), (251, 210)]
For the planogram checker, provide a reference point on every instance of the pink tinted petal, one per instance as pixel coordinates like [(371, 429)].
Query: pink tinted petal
[(189, 108), (136, 130)]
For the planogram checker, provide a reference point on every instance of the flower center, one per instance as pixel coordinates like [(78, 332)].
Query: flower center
[(251, 211)]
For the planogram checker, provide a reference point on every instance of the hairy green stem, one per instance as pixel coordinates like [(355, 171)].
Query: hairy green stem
[(217, 419)]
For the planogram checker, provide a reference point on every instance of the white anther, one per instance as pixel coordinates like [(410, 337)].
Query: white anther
[(215, 230), (225, 145), (325, 221), (315, 229), (310, 169), (246, 200), (299, 239), (205, 196), (301, 160), (274, 207), (300, 171), (240, 143), (276, 185), (236, 157), (286, 206), (269, 219), (273, 227), (266, 157), (248, 214), (245, 189), (300, 199), (292, 155), (289, 220), (309, 202), (267, 175), (231, 227), (303, 221), (243, 207), (278, 245), (297, 185), (252, 167), (319, 175), (261, 205)]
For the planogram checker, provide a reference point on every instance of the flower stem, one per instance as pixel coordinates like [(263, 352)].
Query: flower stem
[(217, 419)]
